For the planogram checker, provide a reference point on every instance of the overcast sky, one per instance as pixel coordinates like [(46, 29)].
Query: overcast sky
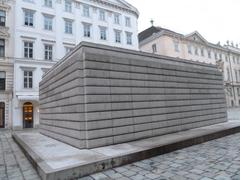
[(215, 20)]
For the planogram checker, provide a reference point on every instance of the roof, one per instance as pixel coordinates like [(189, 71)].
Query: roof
[(150, 31)]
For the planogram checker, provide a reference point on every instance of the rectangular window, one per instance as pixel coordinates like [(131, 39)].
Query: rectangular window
[(238, 90), (28, 18), (189, 49), (154, 48), (48, 3), (2, 48), (236, 75), (68, 6), (196, 51), (129, 38), (128, 22), (216, 56), (2, 80), (118, 36), (226, 58), (86, 11), (233, 57), (48, 23), (68, 27), (102, 15), (68, 49), (28, 49), (2, 18), (86, 30), (202, 52), (220, 56), (176, 46), (28, 79), (48, 52), (116, 18), (209, 54), (228, 74), (103, 33)]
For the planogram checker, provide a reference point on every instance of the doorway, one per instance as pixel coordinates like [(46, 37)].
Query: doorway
[(2, 115), (28, 115)]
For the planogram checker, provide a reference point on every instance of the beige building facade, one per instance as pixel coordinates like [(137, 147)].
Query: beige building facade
[(6, 62), (196, 48)]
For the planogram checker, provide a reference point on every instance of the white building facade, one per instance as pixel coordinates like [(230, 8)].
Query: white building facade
[(194, 47), (45, 30), (6, 62)]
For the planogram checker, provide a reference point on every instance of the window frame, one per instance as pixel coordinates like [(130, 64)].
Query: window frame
[(28, 79), (48, 52), (29, 49)]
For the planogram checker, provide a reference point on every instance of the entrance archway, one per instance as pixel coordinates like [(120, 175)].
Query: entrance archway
[(27, 115), (2, 115)]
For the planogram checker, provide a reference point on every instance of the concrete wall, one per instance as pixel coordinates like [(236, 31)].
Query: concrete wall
[(101, 96)]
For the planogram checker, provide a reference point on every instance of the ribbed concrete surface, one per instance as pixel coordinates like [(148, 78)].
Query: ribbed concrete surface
[(101, 96)]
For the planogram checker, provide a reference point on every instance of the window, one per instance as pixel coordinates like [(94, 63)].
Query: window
[(68, 26), (28, 49), (2, 80), (189, 49), (233, 57), (128, 21), (2, 48), (238, 90), (102, 15), (202, 52), (68, 5), (118, 36), (196, 51), (28, 18), (236, 74), (216, 56), (103, 33), (116, 18), (154, 48), (2, 18), (86, 11), (129, 38), (220, 56), (28, 79), (209, 54), (226, 58), (231, 92), (228, 74), (176, 46), (68, 49), (48, 23), (48, 3), (86, 30), (48, 52)]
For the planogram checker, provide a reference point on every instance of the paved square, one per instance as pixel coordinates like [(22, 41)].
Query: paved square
[(214, 160)]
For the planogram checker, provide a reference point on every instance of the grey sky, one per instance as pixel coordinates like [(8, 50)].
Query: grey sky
[(215, 20)]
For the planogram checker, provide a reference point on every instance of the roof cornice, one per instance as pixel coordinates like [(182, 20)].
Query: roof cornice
[(131, 9)]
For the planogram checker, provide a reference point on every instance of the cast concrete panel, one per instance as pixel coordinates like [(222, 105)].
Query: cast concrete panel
[(101, 95)]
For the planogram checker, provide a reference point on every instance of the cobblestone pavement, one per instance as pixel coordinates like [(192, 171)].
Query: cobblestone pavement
[(13, 163), (214, 160)]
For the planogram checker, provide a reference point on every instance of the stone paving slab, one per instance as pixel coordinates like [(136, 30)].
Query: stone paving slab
[(13, 163), (56, 160)]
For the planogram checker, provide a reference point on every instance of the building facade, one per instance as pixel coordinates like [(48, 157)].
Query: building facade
[(45, 30), (6, 62), (194, 47)]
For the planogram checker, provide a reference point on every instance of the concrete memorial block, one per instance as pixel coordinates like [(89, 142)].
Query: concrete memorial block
[(100, 95)]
